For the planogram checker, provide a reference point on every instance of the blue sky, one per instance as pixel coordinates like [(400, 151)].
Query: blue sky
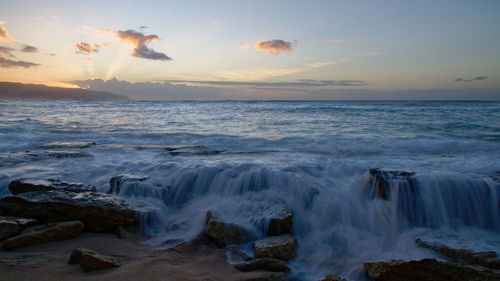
[(388, 45)]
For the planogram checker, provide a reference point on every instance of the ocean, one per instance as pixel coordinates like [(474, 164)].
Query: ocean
[(243, 158)]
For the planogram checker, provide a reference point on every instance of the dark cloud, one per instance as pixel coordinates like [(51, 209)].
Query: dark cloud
[(7, 63), (479, 78), (274, 46), (139, 40), (29, 49), (86, 48), (5, 35), (6, 52), (304, 83)]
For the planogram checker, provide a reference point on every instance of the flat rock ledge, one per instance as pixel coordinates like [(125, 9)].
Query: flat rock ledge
[(99, 212), (76, 144), (44, 233), (91, 261), (427, 270), (269, 264), (30, 185), (11, 226), (281, 247)]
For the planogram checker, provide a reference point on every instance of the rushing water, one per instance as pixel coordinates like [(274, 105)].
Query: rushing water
[(243, 158)]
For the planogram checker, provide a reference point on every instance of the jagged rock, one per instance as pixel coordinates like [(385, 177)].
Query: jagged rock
[(265, 276), (75, 144), (487, 259), (269, 264), (116, 182), (330, 277), (44, 233), (91, 261), (11, 226), (223, 233), (379, 181), (29, 185), (98, 211), (281, 247), (426, 270), (280, 221)]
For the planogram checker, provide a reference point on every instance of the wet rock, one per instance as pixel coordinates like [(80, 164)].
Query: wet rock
[(224, 233), (91, 261), (65, 154), (426, 270), (330, 277), (487, 259), (99, 212), (495, 176), (76, 144), (116, 182), (281, 247), (380, 181), (235, 255), (264, 276), (280, 221), (11, 226), (194, 150), (44, 233), (29, 185), (269, 264)]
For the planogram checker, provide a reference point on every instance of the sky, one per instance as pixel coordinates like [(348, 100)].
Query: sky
[(353, 49)]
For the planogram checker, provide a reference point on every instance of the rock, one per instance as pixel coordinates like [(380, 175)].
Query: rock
[(486, 259), (29, 185), (194, 150), (91, 261), (281, 247), (264, 276), (99, 212), (235, 255), (224, 233), (65, 154), (269, 264), (76, 144), (280, 221), (11, 226), (380, 181), (116, 182), (44, 233), (495, 176), (426, 270), (330, 277)]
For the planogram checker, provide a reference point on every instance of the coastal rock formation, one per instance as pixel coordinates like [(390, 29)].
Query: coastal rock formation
[(98, 211), (380, 181), (11, 226), (44, 233), (487, 259), (29, 185), (269, 264), (91, 261), (76, 144), (224, 233), (280, 221), (116, 182), (330, 277), (281, 247), (428, 270)]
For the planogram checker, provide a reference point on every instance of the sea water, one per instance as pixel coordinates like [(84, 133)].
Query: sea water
[(241, 158)]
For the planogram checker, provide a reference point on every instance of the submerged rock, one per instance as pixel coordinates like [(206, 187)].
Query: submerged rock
[(116, 182), (91, 261), (29, 185), (281, 247), (11, 226), (380, 181), (44, 233), (98, 211), (269, 264), (224, 233), (280, 221), (66, 154), (330, 277), (75, 144), (426, 270), (487, 259), (235, 255), (194, 150)]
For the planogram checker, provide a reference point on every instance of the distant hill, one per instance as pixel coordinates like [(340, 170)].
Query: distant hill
[(10, 90)]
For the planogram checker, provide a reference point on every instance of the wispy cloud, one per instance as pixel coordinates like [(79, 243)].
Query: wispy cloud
[(303, 83), (244, 46), (274, 46), (333, 40), (479, 78), (7, 63), (6, 52), (29, 49), (86, 48), (4, 34), (139, 40)]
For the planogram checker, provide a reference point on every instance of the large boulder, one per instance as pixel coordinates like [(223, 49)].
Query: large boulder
[(380, 181), (99, 212), (224, 233), (29, 185), (281, 247), (91, 261), (11, 226), (75, 144), (269, 264), (44, 233), (426, 270), (487, 259), (280, 221)]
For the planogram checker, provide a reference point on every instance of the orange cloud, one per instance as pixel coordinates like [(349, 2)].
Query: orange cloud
[(274, 46), (139, 40), (86, 48), (7, 63), (5, 35)]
